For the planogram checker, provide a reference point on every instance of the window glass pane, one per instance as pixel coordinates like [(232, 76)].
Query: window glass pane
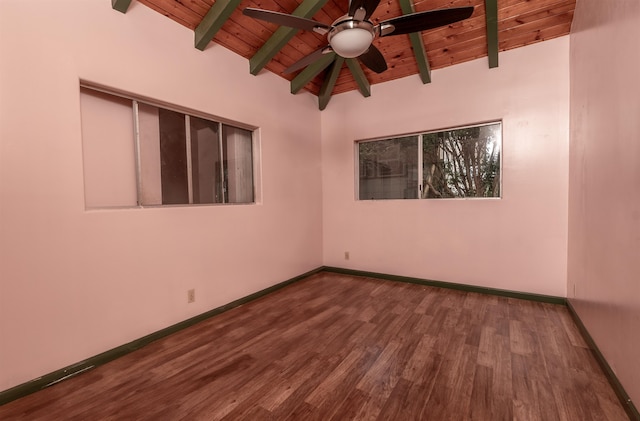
[(389, 168), (238, 158), (462, 162), (173, 158), (205, 161), (149, 144)]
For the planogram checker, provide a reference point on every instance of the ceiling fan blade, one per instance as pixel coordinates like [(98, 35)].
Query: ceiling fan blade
[(287, 20), (421, 21), (370, 7), (307, 60), (374, 59)]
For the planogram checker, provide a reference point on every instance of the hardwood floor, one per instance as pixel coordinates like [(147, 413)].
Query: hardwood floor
[(338, 347)]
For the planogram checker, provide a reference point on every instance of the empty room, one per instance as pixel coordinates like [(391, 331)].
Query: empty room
[(319, 210)]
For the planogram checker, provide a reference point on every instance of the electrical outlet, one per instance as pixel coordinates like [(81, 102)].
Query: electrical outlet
[(191, 296), (346, 255)]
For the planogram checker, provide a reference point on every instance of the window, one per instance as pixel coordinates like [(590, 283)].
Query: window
[(453, 163), (166, 157)]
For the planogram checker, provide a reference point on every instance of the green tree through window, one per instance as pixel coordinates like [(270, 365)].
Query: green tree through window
[(462, 162)]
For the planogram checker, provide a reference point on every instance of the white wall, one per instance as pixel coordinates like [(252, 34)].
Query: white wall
[(518, 242), (604, 199), (74, 283)]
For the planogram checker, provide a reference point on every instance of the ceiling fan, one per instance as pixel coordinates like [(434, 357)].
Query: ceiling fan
[(352, 35)]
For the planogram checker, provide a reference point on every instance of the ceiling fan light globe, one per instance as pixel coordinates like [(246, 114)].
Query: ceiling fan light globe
[(350, 38), (352, 42)]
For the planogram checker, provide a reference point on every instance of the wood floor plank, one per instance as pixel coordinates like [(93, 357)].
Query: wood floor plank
[(277, 388), (422, 355), (340, 347), (351, 406), (329, 406), (325, 389), (482, 395)]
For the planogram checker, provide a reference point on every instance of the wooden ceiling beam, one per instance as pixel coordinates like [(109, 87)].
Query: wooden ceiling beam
[(421, 57), (213, 21), (282, 35), (311, 71), (417, 45), (329, 82), (358, 74), (121, 5), (491, 14)]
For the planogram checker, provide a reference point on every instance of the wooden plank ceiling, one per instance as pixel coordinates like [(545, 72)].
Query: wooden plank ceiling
[(520, 23)]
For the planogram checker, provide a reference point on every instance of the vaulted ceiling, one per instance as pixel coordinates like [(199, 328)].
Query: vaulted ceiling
[(495, 25)]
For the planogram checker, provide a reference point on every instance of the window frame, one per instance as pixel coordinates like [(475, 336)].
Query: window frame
[(188, 113), (420, 177)]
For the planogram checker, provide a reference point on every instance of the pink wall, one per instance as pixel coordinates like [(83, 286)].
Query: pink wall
[(604, 200), (518, 242), (74, 283)]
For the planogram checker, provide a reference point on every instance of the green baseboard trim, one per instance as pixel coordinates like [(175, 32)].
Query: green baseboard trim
[(624, 398), (451, 285), (112, 354)]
